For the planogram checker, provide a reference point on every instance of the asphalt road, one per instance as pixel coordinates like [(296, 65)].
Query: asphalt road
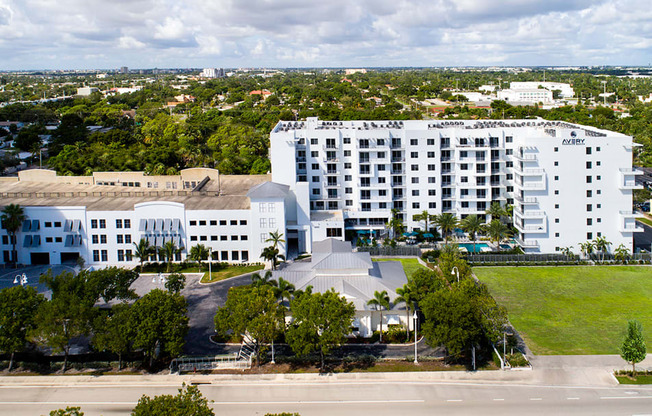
[(369, 397), (643, 240)]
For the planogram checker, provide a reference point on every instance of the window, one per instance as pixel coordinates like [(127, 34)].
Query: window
[(314, 141), (234, 238), (95, 239), (556, 220), (588, 165), (263, 223), (244, 237), (314, 179), (47, 239), (589, 207), (589, 236), (348, 190), (272, 222), (222, 222), (432, 192), (202, 223), (432, 205), (556, 149), (414, 155), (597, 149), (57, 224), (314, 153), (316, 191), (118, 223), (381, 168), (213, 238), (333, 232), (464, 166), (223, 238), (105, 255), (235, 222), (598, 163), (102, 223), (193, 238), (58, 239), (432, 167), (127, 223), (556, 206), (414, 142), (598, 177), (224, 255), (430, 142), (96, 255), (509, 139), (556, 177), (431, 155), (243, 222), (432, 179), (588, 150), (414, 167), (381, 180), (509, 152), (556, 163), (415, 180), (589, 193), (415, 205), (348, 203), (271, 207), (599, 220), (556, 191), (415, 192), (235, 255), (382, 192), (103, 239), (382, 205), (203, 238), (599, 191), (556, 234), (589, 221), (119, 239), (245, 255), (589, 179), (48, 224), (121, 255), (315, 166), (192, 223), (128, 255), (348, 178), (347, 153), (93, 223), (347, 165), (598, 206)]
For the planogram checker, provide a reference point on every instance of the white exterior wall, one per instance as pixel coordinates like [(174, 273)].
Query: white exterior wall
[(450, 156)]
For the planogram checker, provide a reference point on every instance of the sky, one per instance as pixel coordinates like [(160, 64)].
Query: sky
[(107, 34)]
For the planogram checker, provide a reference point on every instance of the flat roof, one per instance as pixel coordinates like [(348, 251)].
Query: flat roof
[(229, 192)]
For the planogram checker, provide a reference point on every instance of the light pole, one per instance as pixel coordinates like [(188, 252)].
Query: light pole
[(415, 316), (456, 271), (604, 94)]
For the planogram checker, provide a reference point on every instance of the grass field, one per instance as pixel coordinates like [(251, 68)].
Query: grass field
[(230, 271), (645, 221), (409, 264), (638, 380), (573, 310)]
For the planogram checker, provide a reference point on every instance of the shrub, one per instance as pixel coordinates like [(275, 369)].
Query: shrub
[(395, 335), (517, 360)]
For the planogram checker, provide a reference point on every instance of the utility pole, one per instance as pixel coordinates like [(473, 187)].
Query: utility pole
[(604, 84)]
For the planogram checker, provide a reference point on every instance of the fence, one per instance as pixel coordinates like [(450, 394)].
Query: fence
[(391, 251), (218, 362), (551, 258)]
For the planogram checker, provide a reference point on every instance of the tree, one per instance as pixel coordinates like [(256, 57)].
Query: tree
[(175, 282), (424, 216), (568, 252), (275, 238), (198, 253), (449, 258), (395, 224), (587, 248), (496, 211), (472, 225), (283, 290), (143, 251), (602, 245), (12, 218), (446, 222), (422, 282), (159, 320), (272, 255), (252, 310), (18, 307), (320, 322), (189, 402), (380, 301), (266, 279), (621, 254), (405, 295), (497, 231), (633, 350), (68, 411), (168, 252), (108, 283), (113, 331)]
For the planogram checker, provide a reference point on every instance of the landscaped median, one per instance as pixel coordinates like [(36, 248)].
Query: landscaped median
[(573, 310), (222, 271)]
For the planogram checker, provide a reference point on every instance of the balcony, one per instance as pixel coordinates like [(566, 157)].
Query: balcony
[(530, 172), (527, 157), (628, 179), (531, 229), (530, 213), (527, 244), (527, 200), (630, 228), (630, 214)]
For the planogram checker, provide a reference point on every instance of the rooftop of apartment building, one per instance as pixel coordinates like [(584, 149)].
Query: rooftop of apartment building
[(117, 191), (538, 124)]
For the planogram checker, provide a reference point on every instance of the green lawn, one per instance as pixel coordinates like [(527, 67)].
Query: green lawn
[(645, 221), (645, 379), (573, 310), (230, 271), (409, 264)]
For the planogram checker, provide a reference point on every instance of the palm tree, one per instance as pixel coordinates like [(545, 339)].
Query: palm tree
[(12, 218), (168, 251), (424, 216), (271, 254), (497, 231), (568, 252), (257, 280), (447, 222), (199, 253), (395, 224), (380, 301), (621, 253), (587, 248), (143, 250), (496, 211), (406, 296), (275, 238), (602, 245), (283, 290), (472, 225)]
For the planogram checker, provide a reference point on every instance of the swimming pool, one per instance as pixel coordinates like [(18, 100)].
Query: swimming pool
[(505, 246), (478, 247)]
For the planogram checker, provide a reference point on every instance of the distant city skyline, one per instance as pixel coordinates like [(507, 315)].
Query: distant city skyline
[(93, 34)]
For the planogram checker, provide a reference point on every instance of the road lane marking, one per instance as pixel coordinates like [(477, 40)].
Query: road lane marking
[(499, 400), (572, 398), (536, 398), (77, 403), (624, 397), (454, 400)]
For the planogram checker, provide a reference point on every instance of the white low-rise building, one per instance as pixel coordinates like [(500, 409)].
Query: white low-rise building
[(565, 90), (568, 183), (533, 96)]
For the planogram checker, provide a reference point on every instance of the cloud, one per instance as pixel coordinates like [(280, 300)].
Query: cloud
[(234, 33)]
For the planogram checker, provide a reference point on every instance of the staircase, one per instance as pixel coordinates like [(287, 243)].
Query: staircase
[(247, 349)]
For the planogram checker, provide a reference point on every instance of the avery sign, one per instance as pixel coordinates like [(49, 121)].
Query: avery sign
[(573, 142)]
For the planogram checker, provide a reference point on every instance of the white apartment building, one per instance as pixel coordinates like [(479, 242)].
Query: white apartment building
[(535, 95), (568, 183), (566, 90), (100, 217)]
